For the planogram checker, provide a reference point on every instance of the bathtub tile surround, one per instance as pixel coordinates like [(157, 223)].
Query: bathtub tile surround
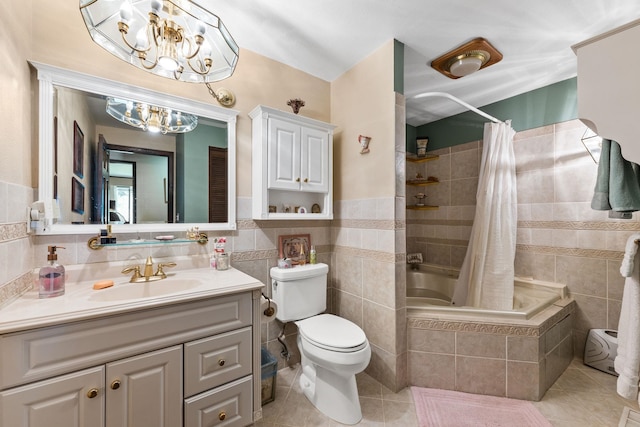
[(560, 238), (520, 360)]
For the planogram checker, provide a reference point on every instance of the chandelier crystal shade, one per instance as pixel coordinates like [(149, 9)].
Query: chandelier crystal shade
[(177, 39), (149, 117)]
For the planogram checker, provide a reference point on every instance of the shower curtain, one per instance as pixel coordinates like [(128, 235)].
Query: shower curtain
[(486, 276)]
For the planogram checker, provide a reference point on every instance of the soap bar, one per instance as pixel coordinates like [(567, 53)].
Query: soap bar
[(103, 284)]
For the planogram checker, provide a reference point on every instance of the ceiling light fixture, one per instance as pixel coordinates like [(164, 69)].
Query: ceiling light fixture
[(150, 117), (177, 39), (467, 59)]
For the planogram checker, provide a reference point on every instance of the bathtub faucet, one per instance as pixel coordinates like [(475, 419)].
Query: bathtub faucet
[(414, 260)]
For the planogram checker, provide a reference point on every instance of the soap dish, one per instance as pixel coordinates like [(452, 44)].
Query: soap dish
[(166, 237)]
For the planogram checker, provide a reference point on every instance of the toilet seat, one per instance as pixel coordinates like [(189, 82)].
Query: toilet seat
[(332, 333)]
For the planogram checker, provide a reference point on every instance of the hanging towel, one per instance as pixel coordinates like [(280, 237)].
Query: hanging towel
[(618, 181), (627, 361)]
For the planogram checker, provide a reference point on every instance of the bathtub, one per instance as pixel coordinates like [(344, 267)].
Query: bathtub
[(430, 289)]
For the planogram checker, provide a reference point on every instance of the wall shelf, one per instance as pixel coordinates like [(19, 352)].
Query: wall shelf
[(422, 208), (421, 183), (428, 158), (94, 242)]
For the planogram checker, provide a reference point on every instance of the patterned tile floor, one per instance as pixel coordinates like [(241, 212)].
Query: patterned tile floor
[(582, 397)]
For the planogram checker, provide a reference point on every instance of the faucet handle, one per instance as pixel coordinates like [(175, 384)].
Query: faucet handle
[(136, 272), (161, 265)]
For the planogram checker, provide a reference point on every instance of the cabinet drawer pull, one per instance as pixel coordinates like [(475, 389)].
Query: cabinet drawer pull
[(115, 385), (221, 362), (222, 416), (92, 393)]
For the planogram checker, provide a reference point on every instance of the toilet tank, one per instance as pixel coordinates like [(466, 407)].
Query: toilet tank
[(299, 292)]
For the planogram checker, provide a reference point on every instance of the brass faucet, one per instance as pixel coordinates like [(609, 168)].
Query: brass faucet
[(149, 275)]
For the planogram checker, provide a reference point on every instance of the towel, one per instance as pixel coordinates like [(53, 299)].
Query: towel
[(627, 361), (618, 181), (630, 250)]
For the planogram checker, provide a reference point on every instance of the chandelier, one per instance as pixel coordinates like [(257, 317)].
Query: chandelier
[(171, 38), (150, 117)]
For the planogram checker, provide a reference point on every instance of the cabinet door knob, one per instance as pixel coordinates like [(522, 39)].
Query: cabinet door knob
[(306, 180), (221, 362), (92, 393), (115, 385), (297, 179), (222, 416)]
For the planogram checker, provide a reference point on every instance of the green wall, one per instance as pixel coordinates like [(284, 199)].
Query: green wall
[(192, 171), (551, 104)]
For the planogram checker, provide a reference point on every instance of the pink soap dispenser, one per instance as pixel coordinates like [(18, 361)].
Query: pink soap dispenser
[(51, 277)]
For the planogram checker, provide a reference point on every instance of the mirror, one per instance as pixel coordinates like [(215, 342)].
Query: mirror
[(100, 170)]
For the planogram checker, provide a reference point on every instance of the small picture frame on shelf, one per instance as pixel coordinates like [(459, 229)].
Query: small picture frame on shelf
[(295, 247)]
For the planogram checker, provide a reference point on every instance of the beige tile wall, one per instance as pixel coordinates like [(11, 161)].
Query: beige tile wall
[(560, 238), (520, 360), (16, 253)]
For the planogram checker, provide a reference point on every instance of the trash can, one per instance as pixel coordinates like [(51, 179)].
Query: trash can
[(601, 349), (268, 376)]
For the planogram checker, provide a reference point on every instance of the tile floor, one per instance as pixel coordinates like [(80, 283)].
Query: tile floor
[(582, 397)]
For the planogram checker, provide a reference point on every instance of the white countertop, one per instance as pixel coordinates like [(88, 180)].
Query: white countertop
[(82, 302)]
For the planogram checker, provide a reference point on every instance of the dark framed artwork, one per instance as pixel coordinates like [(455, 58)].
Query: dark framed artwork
[(295, 247), (77, 196), (78, 150)]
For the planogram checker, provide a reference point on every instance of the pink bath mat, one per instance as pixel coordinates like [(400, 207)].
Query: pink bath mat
[(445, 408)]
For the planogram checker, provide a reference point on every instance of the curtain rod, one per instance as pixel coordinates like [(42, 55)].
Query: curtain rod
[(459, 101)]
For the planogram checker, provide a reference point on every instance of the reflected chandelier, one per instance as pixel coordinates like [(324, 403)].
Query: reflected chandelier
[(150, 117), (177, 39)]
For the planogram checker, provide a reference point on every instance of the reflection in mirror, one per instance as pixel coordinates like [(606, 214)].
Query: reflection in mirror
[(132, 177)]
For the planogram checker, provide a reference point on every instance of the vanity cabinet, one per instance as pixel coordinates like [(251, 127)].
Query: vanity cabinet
[(179, 365), (292, 166)]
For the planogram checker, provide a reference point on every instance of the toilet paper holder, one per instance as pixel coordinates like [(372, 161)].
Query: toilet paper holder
[(269, 311)]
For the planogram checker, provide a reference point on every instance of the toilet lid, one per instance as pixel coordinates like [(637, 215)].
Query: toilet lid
[(332, 332)]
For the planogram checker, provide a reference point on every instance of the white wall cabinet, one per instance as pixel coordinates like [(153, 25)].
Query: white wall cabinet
[(131, 370), (608, 86), (292, 166)]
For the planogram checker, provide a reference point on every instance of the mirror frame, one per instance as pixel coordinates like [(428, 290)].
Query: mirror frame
[(49, 76)]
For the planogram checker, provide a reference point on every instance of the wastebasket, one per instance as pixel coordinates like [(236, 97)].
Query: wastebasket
[(268, 376)]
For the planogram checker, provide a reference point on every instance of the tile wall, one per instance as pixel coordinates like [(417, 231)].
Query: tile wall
[(560, 238), (519, 360), (15, 270)]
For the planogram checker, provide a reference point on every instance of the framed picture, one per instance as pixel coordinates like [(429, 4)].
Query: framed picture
[(77, 196), (295, 247), (78, 150)]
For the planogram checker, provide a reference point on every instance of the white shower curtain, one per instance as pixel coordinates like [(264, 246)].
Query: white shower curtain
[(486, 276)]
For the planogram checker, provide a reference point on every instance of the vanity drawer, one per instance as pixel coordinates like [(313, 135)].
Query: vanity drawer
[(229, 406), (213, 361), (47, 352)]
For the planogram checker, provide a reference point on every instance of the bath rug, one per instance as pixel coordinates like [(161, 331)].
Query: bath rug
[(445, 408)]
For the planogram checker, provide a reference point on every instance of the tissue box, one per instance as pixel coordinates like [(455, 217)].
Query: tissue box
[(268, 377)]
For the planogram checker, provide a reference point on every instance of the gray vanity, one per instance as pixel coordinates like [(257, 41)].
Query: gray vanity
[(183, 354)]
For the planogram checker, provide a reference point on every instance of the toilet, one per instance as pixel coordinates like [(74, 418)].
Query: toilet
[(333, 349)]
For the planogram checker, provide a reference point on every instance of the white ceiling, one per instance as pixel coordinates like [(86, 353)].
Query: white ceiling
[(325, 38)]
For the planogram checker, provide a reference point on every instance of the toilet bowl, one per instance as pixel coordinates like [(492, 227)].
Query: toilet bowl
[(333, 351)]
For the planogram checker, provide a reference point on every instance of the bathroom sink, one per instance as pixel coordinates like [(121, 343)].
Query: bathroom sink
[(146, 289)]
